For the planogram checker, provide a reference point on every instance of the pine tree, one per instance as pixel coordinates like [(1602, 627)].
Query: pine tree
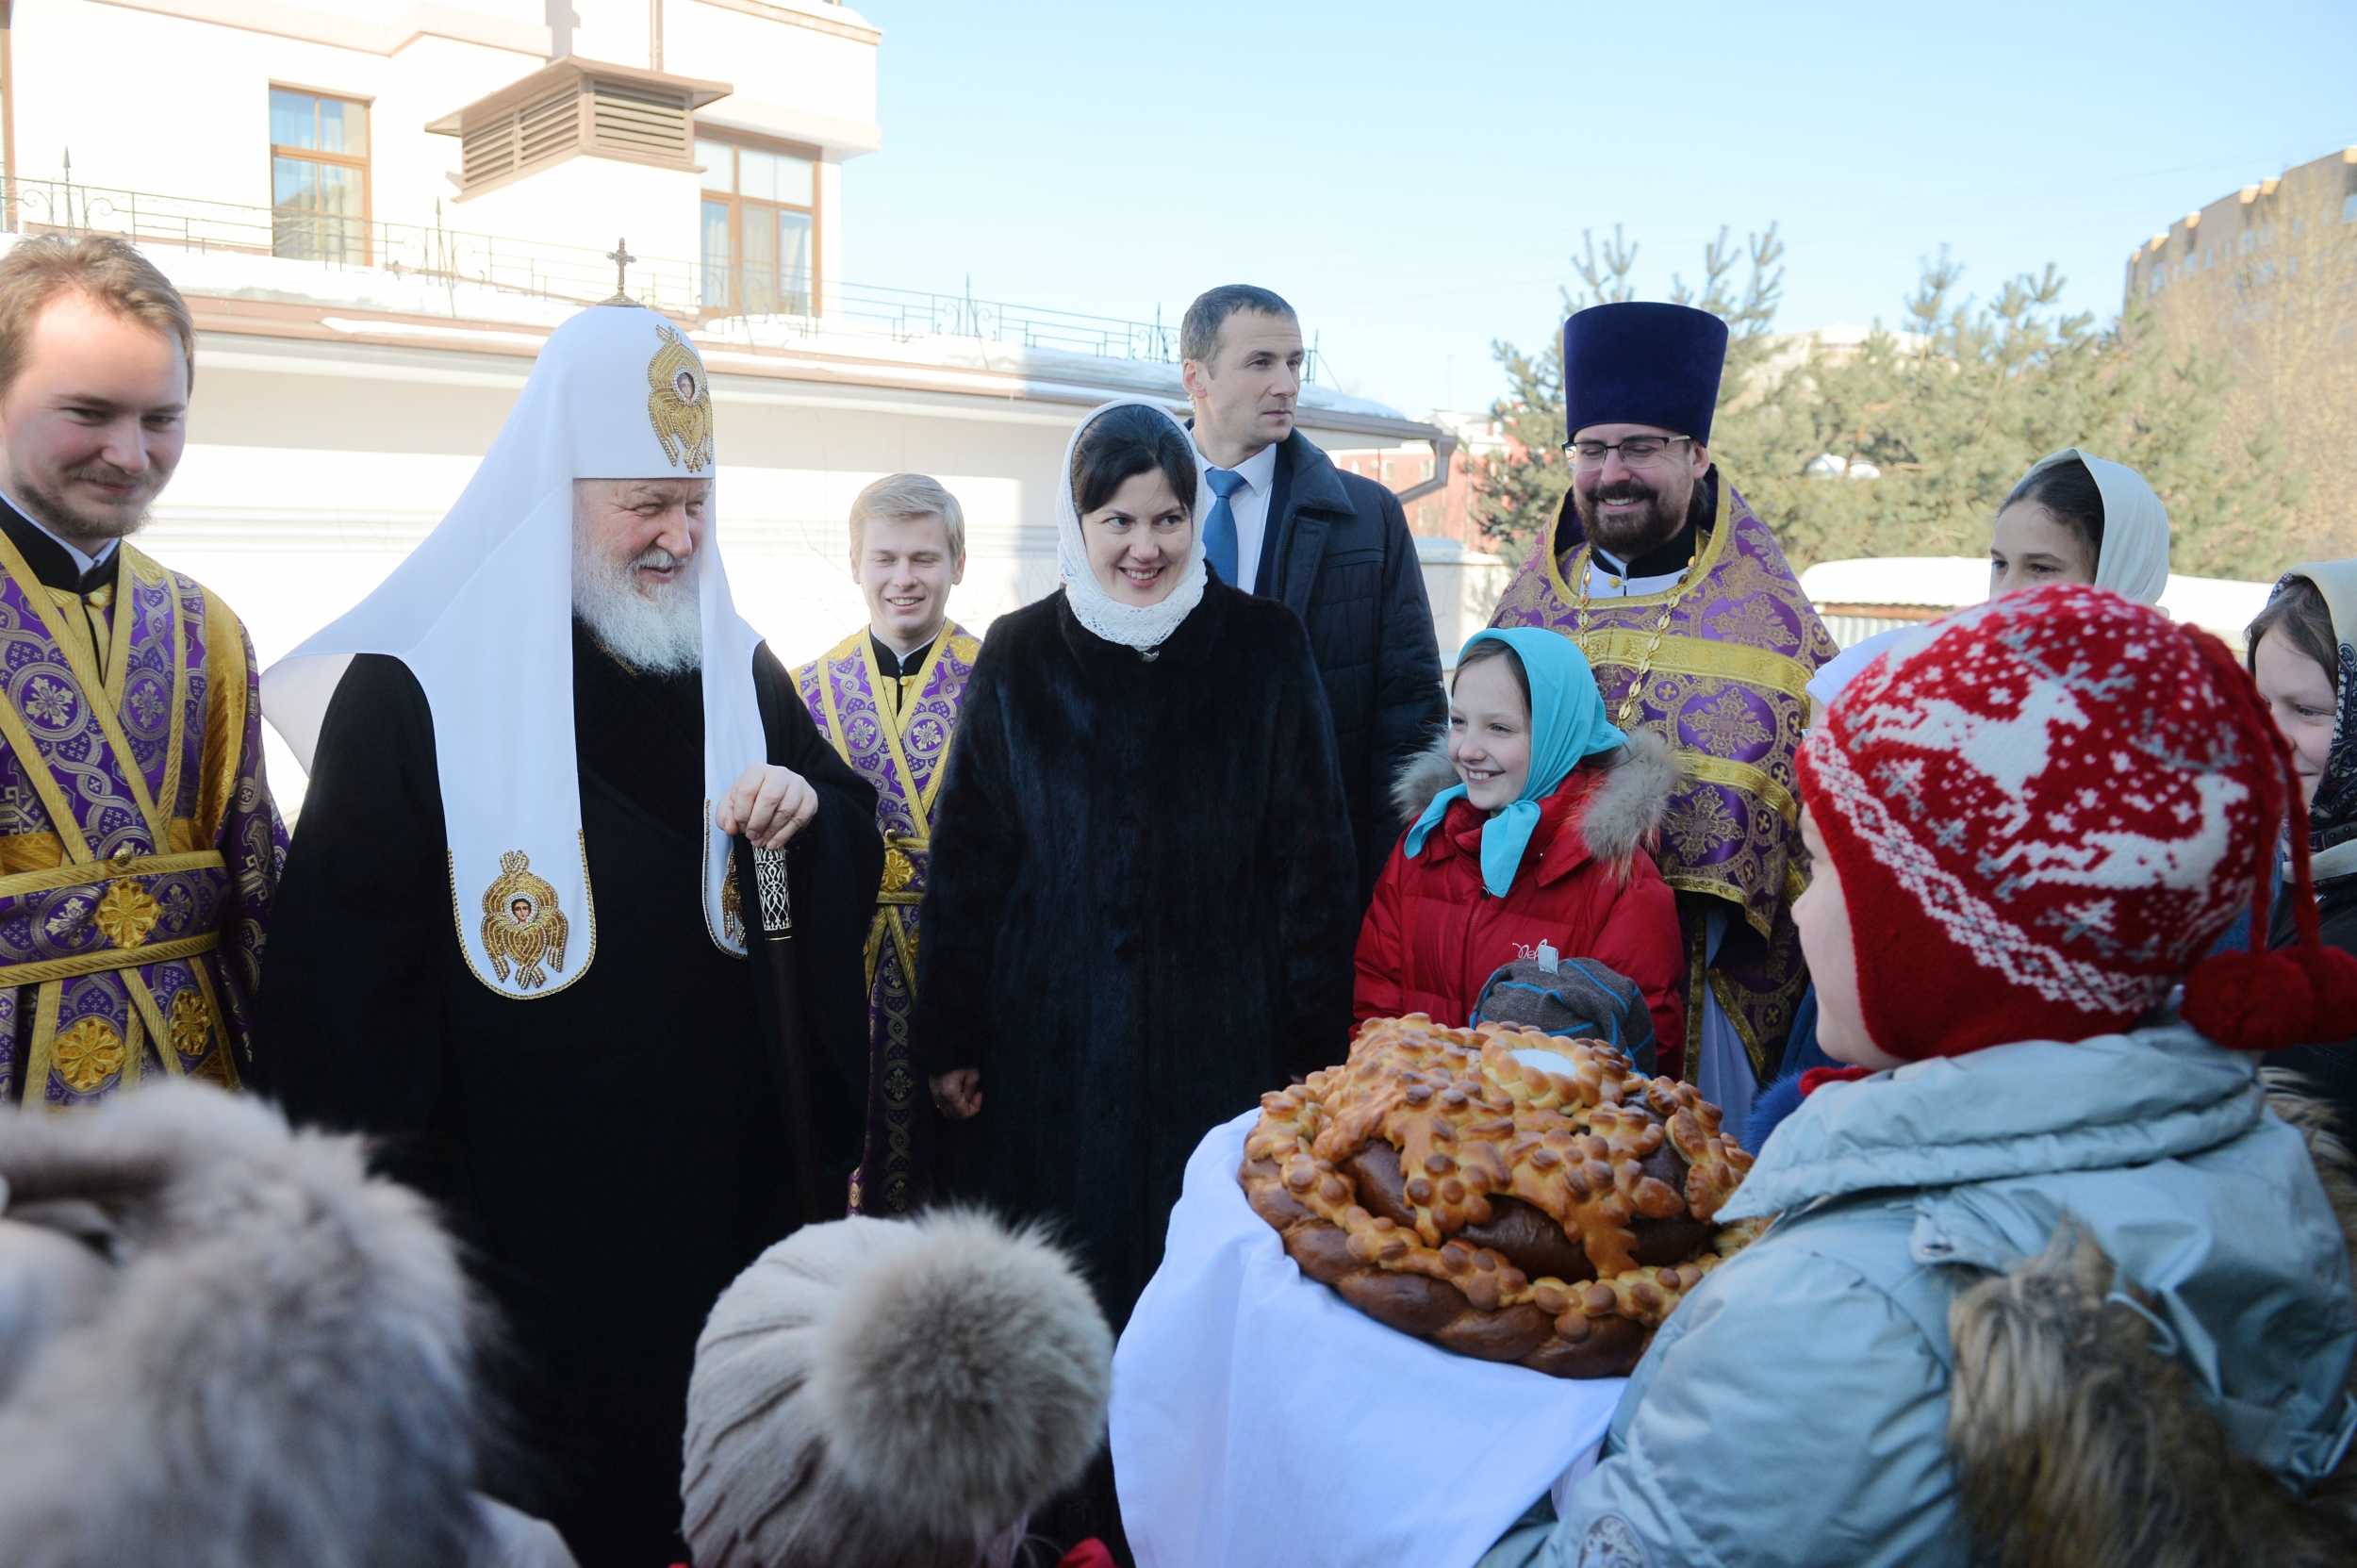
[(1950, 410)]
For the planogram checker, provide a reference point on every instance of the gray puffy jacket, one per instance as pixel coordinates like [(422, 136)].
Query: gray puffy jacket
[(2043, 1304)]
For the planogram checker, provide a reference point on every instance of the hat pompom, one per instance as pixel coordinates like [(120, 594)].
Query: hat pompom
[(877, 1394), (2248, 1000), (2265, 1001)]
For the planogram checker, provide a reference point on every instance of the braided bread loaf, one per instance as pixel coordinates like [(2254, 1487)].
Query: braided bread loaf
[(1489, 1203)]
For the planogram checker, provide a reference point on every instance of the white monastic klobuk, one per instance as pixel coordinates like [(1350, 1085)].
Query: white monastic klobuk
[(481, 613)]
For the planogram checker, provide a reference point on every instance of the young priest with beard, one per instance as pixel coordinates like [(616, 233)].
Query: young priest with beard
[(517, 953)]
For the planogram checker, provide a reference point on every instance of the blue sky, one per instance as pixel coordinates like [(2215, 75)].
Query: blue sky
[(1413, 177)]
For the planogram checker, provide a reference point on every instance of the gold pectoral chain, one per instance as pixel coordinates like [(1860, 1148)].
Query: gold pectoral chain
[(1653, 643)]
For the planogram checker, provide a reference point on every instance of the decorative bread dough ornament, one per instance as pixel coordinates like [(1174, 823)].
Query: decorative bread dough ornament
[(1455, 1184)]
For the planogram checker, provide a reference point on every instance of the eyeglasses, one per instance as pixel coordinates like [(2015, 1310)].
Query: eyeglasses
[(1636, 451)]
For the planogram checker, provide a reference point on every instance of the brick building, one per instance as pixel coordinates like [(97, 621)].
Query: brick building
[(2264, 280)]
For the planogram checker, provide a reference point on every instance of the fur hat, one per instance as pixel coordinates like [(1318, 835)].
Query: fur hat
[(2052, 805), (891, 1394), (272, 1369)]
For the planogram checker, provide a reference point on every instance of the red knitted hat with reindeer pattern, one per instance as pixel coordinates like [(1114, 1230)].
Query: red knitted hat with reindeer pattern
[(2044, 811)]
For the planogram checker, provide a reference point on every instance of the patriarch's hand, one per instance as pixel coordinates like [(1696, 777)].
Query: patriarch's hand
[(768, 805)]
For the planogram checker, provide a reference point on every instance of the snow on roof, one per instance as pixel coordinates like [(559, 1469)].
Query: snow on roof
[(2220, 604), (286, 280)]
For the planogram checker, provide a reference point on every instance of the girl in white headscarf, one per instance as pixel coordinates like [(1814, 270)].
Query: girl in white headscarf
[(2072, 518), (2303, 656), (2079, 519)]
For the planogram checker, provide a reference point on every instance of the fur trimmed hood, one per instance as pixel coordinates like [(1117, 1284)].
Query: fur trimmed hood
[(269, 1366), (2079, 1444), (1622, 817), (892, 1393)]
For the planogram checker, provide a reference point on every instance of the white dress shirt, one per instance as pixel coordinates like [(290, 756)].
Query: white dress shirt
[(1250, 506)]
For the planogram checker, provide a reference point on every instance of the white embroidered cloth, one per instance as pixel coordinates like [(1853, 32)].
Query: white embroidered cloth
[(1258, 1421)]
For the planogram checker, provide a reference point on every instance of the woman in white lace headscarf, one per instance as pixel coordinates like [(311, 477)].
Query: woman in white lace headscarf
[(1143, 889)]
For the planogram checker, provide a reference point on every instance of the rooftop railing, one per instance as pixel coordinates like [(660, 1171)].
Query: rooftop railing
[(779, 302)]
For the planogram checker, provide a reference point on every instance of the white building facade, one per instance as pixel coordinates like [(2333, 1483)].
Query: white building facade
[(378, 208)]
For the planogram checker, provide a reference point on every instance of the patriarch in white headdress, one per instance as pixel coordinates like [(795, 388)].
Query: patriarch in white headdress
[(512, 946), (479, 614)]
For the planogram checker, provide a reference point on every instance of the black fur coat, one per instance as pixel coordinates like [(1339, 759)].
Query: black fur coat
[(1142, 904)]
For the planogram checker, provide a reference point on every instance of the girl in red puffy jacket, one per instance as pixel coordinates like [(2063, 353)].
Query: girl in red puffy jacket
[(1528, 828)]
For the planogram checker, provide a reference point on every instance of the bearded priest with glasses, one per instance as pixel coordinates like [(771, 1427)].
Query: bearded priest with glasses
[(1695, 627)]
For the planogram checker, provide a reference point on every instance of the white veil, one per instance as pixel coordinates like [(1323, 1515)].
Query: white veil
[(2134, 562), (481, 612), (1140, 626)]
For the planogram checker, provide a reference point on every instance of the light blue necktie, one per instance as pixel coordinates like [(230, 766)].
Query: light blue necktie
[(1219, 529)]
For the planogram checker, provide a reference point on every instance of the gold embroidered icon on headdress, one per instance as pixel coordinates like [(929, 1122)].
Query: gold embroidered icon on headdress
[(679, 401), (521, 921)]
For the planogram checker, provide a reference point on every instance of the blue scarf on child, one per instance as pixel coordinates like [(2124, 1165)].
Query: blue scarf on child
[(1567, 725)]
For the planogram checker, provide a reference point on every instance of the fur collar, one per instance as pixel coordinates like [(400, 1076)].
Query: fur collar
[(275, 1369), (1622, 817), (2077, 1445)]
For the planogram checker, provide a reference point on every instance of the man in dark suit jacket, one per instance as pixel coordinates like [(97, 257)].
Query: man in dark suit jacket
[(1281, 520)]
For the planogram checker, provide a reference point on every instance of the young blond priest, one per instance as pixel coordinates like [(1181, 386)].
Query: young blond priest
[(888, 697)]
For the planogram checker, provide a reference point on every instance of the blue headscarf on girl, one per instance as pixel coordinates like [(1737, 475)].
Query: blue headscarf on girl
[(1567, 725)]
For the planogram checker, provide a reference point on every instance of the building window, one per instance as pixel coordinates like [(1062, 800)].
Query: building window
[(319, 176), (760, 229)]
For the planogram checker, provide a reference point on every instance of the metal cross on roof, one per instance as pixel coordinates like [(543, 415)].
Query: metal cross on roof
[(621, 259)]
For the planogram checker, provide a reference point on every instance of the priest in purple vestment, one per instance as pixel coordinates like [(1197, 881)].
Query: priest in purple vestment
[(887, 699), (140, 849), (1696, 627)]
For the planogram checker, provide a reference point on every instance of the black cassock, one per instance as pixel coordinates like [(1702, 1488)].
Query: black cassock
[(614, 1153)]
